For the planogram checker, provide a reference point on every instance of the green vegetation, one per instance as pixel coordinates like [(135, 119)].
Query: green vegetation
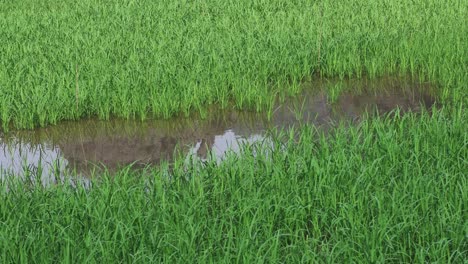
[(390, 190), (135, 59)]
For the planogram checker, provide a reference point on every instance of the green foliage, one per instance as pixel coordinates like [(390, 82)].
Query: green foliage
[(389, 190), (135, 59)]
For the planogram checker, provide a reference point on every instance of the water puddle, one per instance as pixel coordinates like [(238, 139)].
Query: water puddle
[(80, 145)]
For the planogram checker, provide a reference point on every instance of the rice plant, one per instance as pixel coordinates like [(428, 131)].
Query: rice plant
[(142, 59), (392, 189)]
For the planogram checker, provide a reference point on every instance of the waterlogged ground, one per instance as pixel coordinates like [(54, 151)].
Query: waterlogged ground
[(81, 146)]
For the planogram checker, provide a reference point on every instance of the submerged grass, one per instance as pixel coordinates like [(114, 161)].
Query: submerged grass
[(67, 60), (389, 190)]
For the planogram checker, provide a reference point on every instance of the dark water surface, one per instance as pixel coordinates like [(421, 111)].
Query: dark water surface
[(80, 145)]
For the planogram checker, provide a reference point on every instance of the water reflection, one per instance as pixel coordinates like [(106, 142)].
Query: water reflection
[(24, 158), (81, 145)]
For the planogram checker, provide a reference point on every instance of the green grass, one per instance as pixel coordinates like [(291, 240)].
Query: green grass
[(389, 190), (138, 59), (392, 189)]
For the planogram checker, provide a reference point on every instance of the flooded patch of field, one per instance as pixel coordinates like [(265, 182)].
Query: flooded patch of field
[(82, 145)]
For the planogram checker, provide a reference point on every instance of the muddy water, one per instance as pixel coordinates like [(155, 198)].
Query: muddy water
[(81, 145)]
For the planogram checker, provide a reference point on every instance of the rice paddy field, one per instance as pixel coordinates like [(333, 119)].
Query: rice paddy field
[(387, 189)]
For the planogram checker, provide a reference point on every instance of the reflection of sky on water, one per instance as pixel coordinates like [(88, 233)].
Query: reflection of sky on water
[(227, 142), (17, 158), (81, 145)]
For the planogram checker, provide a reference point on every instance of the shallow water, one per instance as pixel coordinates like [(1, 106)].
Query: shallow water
[(81, 145)]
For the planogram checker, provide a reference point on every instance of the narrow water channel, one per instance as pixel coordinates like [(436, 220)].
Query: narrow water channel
[(81, 145)]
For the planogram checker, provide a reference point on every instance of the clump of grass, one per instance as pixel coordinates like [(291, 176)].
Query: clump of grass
[(334, 91), (389, 190), (140, 59)]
